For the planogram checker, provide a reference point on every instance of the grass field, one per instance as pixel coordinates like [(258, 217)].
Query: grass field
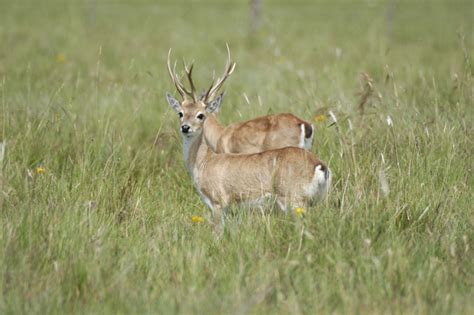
[(96, 203)]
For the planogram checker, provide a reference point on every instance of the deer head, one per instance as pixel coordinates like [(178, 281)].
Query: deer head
[(192, 110)]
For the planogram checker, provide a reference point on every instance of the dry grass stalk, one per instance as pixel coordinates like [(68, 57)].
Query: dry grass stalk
[(2, 155), (366, 93)]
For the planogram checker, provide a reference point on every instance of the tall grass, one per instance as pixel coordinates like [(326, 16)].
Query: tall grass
[(96, 203)]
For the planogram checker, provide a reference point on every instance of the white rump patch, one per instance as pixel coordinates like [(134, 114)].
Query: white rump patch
[(320, 184), (302, 138)]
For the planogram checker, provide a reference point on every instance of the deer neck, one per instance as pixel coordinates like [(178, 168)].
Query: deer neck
[(213, 130), (196, 151)]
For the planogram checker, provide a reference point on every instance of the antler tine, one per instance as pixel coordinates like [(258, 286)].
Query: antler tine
[(228, 69), (189, 74), (172, 74), (181, 85), (206, 95)]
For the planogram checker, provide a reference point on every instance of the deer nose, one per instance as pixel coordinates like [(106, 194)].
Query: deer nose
[(185, 128)]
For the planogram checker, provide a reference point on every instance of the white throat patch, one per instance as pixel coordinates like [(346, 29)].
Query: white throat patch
[(187, 142)]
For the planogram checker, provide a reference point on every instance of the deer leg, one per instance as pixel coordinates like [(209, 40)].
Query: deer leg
[(282, 204), (218, 219), (218, 214), (297, 205), (290, 203)]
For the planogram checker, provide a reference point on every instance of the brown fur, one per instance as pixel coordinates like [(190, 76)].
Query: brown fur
[(285, 172), (260, 134), (272, 161), (292, 175)]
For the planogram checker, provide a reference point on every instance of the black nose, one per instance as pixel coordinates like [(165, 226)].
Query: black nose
[(185, 128)]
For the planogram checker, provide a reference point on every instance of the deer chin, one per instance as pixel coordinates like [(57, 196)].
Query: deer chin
[(190, 134)]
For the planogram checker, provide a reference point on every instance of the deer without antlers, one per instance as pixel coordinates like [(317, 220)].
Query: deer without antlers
[(291, 175), (253, 136)]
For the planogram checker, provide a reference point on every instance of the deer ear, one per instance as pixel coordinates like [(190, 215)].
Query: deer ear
[(173, 102), (215, 104)]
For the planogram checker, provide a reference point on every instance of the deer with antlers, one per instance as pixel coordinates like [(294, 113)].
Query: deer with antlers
[(291, 175), (256, 135)]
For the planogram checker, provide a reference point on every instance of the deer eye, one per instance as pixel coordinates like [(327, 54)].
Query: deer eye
[(200, 116), (180, 114)]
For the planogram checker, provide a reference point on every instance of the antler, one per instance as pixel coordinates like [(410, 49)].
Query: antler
[(189, 73), (175, 78), (228, 69)]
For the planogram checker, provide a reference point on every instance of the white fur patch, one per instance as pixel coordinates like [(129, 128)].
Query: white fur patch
[(320, 184), (187, 142), (302, 139), (308, 142), (204, 198)]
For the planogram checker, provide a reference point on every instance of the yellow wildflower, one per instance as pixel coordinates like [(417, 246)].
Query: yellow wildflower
[(197, 219), (61, 58), (300, 211), (40, 170), (320, 118)]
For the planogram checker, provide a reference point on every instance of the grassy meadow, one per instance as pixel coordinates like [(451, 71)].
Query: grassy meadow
[(96, 205)]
